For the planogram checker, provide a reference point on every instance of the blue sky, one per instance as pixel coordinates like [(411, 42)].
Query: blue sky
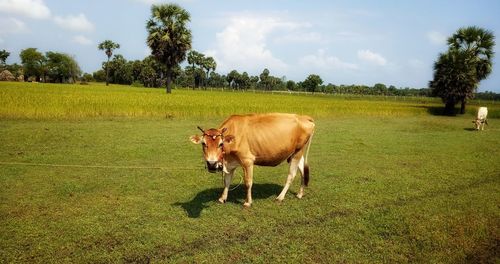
[(345, 42)]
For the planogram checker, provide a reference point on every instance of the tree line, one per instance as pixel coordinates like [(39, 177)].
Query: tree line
[(37, 66), (457, 72)]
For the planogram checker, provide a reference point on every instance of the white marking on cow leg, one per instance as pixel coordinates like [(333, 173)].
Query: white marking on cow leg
[(248, 170), (228, 177), (291, 175), (302, 183)]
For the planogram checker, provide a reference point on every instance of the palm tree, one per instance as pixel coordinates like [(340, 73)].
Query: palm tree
[(209, 64), (195, 58), (108, 46), (168, 36), (477, 45), (454, 79)]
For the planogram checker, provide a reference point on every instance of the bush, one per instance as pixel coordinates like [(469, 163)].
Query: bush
[(137, 84)]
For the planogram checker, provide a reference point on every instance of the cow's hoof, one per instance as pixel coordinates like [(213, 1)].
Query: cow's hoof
[(247, 205), (299, 195), (279, 199), (222, 200)]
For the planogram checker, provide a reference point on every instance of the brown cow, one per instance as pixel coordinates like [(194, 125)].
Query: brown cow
[(258, 139)]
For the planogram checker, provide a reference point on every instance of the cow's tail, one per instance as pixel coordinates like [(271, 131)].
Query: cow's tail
[(306, 166)]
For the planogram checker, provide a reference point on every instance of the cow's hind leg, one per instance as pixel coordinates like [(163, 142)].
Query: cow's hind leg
[(227, 182), (302, 183), (292, 171)]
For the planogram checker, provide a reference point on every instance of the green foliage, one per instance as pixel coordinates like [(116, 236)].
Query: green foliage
[(458, 72), (108, 46), (312, 82), (3, 57), (87, 77), (61, 67), (454, 78), (33, 63), (168, 36), (99, 76)]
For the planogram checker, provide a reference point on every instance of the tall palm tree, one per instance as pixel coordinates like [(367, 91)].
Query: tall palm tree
[(168, 36), (454, 79), (209, 64), (108, 46), (477, 45), (195, 58)]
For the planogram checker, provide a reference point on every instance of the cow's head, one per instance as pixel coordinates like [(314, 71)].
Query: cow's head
[(477, 123), (213, 144)]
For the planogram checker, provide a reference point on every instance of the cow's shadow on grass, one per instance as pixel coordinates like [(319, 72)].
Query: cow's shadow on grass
[(201, 201)]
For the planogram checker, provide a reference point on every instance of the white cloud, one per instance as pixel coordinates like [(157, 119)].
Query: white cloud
[(371, 57), (242, 44), (82, 40), (74, 23), (29, 8), (436, 38), (322, 61), (11, 25), (300, 37)]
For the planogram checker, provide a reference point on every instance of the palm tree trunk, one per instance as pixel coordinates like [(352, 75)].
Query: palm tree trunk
[(169, 80), (107, 72), (462, 106)]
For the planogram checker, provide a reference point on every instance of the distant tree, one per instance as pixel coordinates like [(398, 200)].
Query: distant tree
[(312, 82), (3, 57), (87, 77), (120, 70), (290, 85), (244, 81), (33, 63), (265, 80), (62, 67), (168, 36), (477, 44), (136, 66), (233, 79), (195, 58), (380, 89), (208, 63), (108, 46), (99, 76)]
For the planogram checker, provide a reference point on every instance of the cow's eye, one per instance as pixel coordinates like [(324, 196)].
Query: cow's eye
[(221, 144), (203, 144)]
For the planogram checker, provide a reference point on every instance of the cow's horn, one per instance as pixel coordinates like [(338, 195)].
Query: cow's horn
[(201, 129)]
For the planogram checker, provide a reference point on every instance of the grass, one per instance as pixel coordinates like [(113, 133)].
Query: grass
[(400, 186), (53, 101)]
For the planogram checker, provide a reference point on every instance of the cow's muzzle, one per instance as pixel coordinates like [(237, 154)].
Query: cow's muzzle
[(214, 166)]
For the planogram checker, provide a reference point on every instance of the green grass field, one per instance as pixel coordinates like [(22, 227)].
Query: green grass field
[(390, 181)]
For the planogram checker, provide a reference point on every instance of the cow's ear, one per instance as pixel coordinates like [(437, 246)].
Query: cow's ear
[(229, 139), (195, 139)]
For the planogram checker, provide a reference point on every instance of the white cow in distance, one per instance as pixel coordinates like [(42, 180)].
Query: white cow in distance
[(482, 113)]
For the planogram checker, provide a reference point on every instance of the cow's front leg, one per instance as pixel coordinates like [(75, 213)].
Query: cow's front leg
[(228, 177), (248, 170)]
